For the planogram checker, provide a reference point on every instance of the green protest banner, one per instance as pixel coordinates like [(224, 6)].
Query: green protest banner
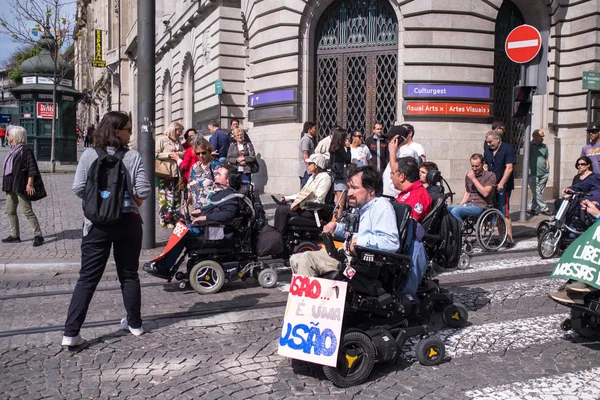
[(581, 260)]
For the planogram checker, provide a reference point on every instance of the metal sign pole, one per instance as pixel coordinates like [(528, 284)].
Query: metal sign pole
[(146, 98), (526, 147)]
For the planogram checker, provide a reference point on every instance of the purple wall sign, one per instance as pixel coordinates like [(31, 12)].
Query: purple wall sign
[(275, 96), (422, 90)]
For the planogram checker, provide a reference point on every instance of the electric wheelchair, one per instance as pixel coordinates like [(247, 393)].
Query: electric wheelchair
[(558, 232), (378, 316), (442, 243), (304, 234), (223, 252)]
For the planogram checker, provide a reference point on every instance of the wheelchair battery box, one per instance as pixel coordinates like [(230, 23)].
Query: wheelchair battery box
[(385, 344)]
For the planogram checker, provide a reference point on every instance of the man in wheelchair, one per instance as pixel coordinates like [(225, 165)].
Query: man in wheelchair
[(377, 227), (223, 206), (479, 188)]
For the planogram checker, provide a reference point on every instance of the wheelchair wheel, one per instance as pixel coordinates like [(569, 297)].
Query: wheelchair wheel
[(455, 315), (430, 351), (542, 228), (305, 246), (490, 230), (584, 325), (267, 278), (207, 277), (548, 244), (356, 358), (464, 261)]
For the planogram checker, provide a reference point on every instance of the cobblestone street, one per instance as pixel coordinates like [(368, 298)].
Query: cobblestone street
[(224, 346)]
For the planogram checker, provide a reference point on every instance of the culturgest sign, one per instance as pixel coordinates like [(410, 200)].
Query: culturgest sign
[(424, 90), (425, 99)]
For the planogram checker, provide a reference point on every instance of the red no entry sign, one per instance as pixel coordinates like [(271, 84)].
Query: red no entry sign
[(523, 43)]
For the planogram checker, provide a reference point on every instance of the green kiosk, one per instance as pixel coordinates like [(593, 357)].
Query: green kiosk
[(36, 108)]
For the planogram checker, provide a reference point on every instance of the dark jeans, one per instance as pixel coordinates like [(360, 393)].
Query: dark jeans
[(283, 213), (126, 237)]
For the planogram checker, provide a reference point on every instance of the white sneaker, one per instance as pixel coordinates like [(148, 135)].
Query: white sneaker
[(70, 341), (136, 331)]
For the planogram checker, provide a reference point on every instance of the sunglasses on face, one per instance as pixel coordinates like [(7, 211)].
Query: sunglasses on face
[(126, 129), (200, 153), (581, 165)]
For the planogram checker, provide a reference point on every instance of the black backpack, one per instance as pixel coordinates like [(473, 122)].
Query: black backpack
[(105, 188), (451, 239)]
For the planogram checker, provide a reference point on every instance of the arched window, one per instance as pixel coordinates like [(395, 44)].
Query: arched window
[(188, 92), (356, 65), (167, 101), (506, 73)]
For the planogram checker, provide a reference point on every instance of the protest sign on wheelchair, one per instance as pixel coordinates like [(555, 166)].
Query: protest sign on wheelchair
[(581, 260), (312, 324)]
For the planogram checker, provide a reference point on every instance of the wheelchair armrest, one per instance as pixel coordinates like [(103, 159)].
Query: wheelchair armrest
[(429, 236), (330, 248), (313, 205), (386, 254)]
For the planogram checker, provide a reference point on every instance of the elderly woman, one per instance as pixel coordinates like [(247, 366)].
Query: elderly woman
[(319, 183), (170, 151), (20, 169), (241, 154), (202, 175)]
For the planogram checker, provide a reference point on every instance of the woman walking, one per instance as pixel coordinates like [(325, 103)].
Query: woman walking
[(20, 170), (340, 157), (241, 155), (169, 152), (125, 236)]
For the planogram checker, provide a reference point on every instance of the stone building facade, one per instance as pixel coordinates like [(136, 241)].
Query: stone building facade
[(350, 62)]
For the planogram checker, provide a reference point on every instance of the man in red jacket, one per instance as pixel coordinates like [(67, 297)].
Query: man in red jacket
[(412, 192)]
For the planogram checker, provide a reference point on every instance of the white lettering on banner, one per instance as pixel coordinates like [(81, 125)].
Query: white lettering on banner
[(596, 236), (312, 324), (587, 253), (180, 229), (576, 271)]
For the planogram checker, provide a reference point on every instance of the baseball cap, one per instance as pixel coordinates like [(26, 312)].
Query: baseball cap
[(317, 159), (396, 130), (593, 126)]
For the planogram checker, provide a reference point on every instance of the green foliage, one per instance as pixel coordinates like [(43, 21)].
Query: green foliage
[(15, 61)]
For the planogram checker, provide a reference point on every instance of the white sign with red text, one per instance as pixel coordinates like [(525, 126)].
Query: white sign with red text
[(312, 324)]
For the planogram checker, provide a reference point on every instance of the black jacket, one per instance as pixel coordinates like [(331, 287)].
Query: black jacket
[(24, 166), (339, 159), (223, 212)]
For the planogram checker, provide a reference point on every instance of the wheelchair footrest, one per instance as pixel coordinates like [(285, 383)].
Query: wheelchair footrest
[(442, 297)]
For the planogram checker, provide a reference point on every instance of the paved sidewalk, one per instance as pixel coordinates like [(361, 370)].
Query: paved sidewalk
[(61, 219)]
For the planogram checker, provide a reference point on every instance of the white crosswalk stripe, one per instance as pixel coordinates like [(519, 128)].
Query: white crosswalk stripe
[(581, 385), (501, 263), (503, 336)]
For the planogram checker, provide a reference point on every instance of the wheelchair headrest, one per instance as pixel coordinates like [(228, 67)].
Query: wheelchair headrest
[(434, 177)]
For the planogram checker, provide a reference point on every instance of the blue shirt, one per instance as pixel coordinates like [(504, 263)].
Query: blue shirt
[(220, 142), (377, 227), (497, 163)]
